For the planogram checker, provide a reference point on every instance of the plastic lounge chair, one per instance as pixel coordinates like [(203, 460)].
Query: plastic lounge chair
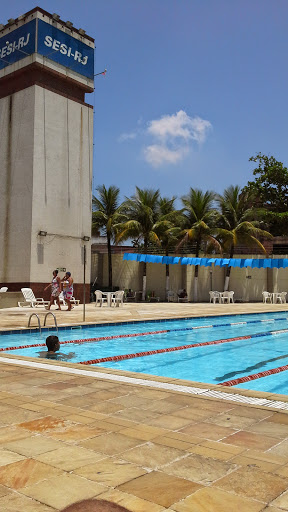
[(74, 301), (3, 289), (99, 298), (214, 296), (267, 297), (118, 298), (30, 299)]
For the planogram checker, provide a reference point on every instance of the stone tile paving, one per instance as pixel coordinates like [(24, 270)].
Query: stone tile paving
[(17, 318), (66, 437), (145, 449)]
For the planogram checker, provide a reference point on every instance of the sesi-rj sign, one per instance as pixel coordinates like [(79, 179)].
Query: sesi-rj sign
[(18, 44), (64, 49), (47, 40)]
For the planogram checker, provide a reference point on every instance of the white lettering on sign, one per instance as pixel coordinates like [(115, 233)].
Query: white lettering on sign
[(57, 46), (9, 48)]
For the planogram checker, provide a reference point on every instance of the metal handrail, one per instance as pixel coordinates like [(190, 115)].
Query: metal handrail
[(55, 321), (39, 323)]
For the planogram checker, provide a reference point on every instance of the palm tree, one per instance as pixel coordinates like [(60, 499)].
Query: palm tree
[(199, 218), (106, 214), (141, 212), (168, 229), (238, 223)]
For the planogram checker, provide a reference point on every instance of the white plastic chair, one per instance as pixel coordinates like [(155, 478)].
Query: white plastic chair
[(214, 296), (171, 296), (31, 300), (118, 298), (227, 297), (267, 297), (3, 289), (281, 297), (99, 298)]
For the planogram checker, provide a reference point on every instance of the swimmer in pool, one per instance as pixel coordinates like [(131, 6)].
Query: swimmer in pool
[(53, 346)]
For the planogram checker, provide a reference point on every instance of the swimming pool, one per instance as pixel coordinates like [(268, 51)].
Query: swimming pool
[(224, 348)]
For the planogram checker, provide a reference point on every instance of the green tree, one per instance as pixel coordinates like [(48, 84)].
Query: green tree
[(199, 217), (168, 230), (106, 215), (270, 187), (238, 223), (141, 213)]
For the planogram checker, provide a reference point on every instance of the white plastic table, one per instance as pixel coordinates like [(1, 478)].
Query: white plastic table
[(109, 296)]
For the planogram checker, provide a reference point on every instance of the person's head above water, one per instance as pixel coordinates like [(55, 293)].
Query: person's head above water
[(95, 506), (52, 343)]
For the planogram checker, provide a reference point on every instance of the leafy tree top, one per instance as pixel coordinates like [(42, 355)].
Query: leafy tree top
[(270, 184)]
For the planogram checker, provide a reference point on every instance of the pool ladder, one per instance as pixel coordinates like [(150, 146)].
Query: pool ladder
[(45, 318)]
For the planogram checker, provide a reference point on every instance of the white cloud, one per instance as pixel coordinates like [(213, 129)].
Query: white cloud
[(127, 136), (171, 137), (157, 155), (179, 125)]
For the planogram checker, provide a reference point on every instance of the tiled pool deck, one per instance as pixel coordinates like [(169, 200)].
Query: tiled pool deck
[(66, 436)]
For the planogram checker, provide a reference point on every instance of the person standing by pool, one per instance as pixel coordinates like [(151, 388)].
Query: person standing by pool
[(55, 290), (67, 282)]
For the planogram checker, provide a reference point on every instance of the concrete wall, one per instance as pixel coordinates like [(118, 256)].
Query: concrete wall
[(62, 184), (247, 283), (46, 144), (16, 191)]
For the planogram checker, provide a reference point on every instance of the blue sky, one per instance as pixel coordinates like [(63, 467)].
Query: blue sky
[(193, 88)]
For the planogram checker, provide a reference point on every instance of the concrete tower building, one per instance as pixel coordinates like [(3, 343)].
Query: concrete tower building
[(46, 145)]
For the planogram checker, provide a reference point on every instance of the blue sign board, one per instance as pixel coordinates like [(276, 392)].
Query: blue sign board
[(18, 44), (52, 43), (65, 49)]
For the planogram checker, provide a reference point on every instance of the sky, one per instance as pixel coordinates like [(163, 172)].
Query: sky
[(193, 89)]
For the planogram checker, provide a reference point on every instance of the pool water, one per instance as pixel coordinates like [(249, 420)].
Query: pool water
[(212, 364)]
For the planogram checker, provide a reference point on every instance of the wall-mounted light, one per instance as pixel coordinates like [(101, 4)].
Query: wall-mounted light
[(86, 238), (11, 21), (82, 31), (42, 233), (55, 16), (69, 24), (2, 26)]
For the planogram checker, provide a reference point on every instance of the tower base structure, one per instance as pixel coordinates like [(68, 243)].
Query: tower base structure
[(46, 151)]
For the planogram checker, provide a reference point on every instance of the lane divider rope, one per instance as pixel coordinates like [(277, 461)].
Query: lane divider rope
[(253, 376), (88, 340), (162, 350)]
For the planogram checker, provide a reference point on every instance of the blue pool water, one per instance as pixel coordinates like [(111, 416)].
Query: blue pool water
[(209, 364)]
